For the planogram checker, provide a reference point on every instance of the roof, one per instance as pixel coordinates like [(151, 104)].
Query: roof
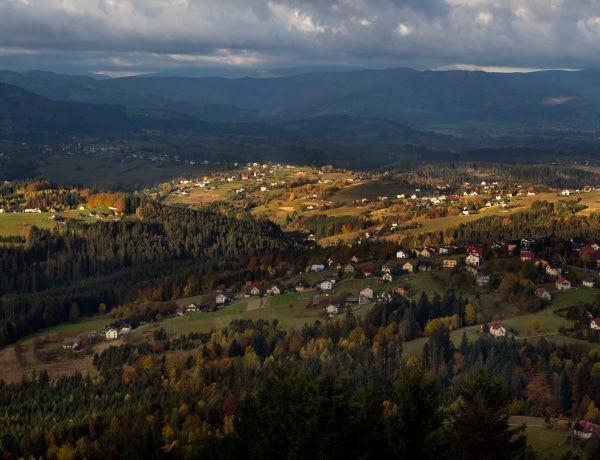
[(561, 280), (586, 427)]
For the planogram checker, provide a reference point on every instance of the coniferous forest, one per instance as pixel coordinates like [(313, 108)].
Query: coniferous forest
[(338, 387)]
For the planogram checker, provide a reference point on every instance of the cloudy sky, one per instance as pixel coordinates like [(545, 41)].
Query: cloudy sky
[(120, 37)]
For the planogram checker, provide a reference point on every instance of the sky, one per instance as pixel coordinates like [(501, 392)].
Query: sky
[(127, 37)]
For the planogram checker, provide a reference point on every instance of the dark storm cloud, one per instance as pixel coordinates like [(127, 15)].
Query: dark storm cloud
[(144, 35)]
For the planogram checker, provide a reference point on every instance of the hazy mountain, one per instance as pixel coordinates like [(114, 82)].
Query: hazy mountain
[(27, 116), (472, 103)]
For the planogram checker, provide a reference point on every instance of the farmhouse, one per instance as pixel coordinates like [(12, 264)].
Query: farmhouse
[(191, 308), (424, 266), (449, 263), (595, 324), (366, 292), (475, 250), (326, 285), (276, 289), (401, 291), (563, 284), (481, 279), (402, 254), (71, 343), (349, 268), (332, 309), (386, 278), (526, 255), (589, 282), (222, 297), (498, 330), (584, 429), (300, 286), (367, 272), (543, 294), (553, 270), (408, 267), (473, 259), (111, 334)]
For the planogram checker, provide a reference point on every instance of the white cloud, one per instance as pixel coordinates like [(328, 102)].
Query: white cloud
[(403, 30), (484, 18)]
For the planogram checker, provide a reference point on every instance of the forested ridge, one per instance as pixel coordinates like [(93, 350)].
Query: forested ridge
[(543, 220), (109, 261), (553, 176)]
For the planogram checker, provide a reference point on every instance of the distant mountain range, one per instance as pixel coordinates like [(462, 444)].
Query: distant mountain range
[(402, 95), (372, 105)]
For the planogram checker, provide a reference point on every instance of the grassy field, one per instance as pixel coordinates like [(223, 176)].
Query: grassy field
[(547, 442), (108, 174), (86, 325), (279, 309), (18, 223)]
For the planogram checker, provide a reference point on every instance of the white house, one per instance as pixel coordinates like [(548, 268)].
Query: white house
[(402, 254), (563, 284), (332, 309), (589, 282), (553, 270), (326, 285), (473, 259), (222, 297), (498, 330), (585, 431), (543, 294), (276, 289)]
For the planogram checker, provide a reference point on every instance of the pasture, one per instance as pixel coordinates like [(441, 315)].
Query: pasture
[(279, 309), (18, 223)]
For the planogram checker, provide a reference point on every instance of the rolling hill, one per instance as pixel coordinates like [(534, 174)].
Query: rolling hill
[(424, 100)]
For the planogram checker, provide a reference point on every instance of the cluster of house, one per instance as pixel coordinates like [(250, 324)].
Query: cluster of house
[(333, 307)]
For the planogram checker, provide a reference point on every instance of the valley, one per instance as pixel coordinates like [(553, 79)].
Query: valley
[(193, 279)]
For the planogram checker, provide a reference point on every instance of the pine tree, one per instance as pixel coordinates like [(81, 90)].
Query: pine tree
[(479, 426)]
